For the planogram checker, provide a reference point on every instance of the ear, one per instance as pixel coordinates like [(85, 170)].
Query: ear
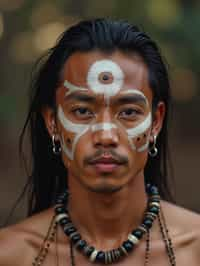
[(158, 118), (50, 121)]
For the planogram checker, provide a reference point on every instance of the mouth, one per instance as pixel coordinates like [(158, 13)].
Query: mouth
[(106, 165)]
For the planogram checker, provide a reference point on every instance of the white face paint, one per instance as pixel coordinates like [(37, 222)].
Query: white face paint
[(141, 128), (72, 88), (114, 78), (112, 71), (103, 126), (78, 130)]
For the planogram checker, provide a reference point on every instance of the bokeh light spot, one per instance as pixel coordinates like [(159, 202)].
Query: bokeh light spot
[(22, 49), (45, 37), (184, 85), (163, 13)]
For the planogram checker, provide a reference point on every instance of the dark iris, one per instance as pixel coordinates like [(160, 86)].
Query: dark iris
[(105, 77), (82, 110)]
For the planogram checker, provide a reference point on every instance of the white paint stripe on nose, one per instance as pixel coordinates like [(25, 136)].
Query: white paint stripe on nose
[(103, 126)]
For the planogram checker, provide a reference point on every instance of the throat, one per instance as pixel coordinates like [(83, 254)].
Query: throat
[(106, 238), (107, 219)]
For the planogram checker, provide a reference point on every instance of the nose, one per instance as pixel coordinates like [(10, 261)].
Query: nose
[(105, 135)]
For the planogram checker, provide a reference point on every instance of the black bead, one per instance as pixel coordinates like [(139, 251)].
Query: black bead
[(100, 257), (154, 190), (148, 223), (154, 209), (59, 201), (60, 209), (70, 230), (64, 221), (76, 238), (128, 245), (88, 250), (138, 233), (81, 244), (114, 254), (155, 200)]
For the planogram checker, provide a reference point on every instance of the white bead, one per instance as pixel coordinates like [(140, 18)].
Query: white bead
[(155, 204), (60, 216), (133, 239), (93, 255)]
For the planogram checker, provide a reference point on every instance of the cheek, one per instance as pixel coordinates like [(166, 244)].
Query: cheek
[(141, 142), (83, 147), (67, 139)]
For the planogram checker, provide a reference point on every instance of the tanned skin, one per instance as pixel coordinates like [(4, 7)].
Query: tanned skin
[(104, 208)]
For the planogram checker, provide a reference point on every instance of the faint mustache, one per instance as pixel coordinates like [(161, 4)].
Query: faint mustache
[(120, 159)]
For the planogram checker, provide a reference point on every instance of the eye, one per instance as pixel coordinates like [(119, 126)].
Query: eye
[(129, 113), (83, 112)]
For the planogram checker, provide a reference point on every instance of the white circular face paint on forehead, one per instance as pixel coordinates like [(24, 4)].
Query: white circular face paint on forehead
[(112, 69)]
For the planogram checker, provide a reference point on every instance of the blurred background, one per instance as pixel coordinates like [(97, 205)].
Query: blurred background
[(28, 28)]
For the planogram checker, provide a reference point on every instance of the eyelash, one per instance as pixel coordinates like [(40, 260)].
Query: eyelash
[(135, 111), (85, 115), (82, 108)]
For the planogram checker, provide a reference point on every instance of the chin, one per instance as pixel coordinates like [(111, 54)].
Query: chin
[(105, 188)]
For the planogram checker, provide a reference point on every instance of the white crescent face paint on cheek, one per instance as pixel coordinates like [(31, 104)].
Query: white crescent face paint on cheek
[(78, 129), (68, 125), (138, 130), (141, 128)]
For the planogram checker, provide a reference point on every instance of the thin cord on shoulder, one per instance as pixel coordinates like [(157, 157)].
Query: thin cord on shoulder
[(56, 247), (44, 248)]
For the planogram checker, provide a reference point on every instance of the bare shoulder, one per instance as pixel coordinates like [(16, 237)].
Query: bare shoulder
[(182, 219), (184, 226), (19, 243)]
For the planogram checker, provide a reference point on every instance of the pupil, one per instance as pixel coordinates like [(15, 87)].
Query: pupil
[(128, 111), (82, 110), (105, 77)]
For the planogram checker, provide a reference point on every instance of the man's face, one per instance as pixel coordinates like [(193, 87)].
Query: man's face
[(104, 118)]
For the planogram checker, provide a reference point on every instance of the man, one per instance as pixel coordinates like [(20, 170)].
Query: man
[(98, 122)]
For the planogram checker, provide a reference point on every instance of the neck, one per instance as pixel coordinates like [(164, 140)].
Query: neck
[(107, 219)]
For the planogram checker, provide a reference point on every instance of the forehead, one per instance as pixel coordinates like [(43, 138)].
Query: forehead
[(135, 72)]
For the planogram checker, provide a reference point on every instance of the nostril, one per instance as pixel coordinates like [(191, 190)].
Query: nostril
[(105, 138)]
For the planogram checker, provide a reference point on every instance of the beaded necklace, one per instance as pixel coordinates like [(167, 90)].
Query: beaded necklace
[(114, 255), (52, 235)]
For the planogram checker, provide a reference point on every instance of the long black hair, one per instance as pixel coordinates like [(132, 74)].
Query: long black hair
[(48, 175)]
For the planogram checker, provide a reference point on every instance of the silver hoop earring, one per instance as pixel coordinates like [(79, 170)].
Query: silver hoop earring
[(153, 151), (56, 146)]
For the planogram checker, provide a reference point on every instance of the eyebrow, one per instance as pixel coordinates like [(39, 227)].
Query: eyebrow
[(131, 98), (81, 97)]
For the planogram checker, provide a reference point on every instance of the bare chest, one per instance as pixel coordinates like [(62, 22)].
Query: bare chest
[(184, 256)]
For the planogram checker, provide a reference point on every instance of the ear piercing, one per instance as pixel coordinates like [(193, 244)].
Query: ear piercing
[(56, 146), (153, 151)]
